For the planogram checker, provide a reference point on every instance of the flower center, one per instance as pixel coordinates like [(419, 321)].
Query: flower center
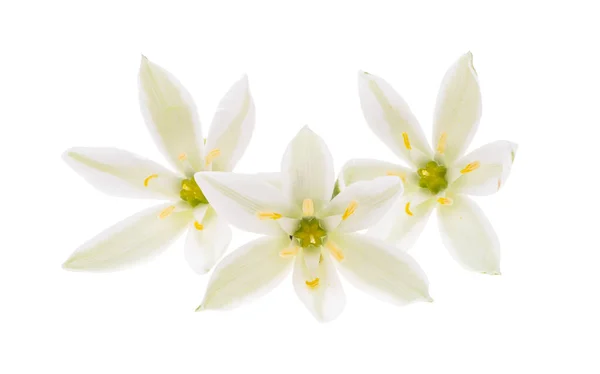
[(310, 233), (191, 193), (433, 177)]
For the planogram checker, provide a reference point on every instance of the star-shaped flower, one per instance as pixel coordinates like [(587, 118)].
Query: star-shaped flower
[(309, 231), (170, 114), (441, 177)]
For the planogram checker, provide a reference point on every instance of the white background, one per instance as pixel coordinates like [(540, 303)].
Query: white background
[(68, 77)]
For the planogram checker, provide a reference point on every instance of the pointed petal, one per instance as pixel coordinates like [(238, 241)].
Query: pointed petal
[(132, 240), (307, 170), (248, 272), (170, 113), (232, 126), (483, 171), (241, 199), (391, 120), (207, 239), (380, 269), (363, 203), (404, 222), (320, 290), (365, 169), (121, 173), (469, 236), (458, 110)]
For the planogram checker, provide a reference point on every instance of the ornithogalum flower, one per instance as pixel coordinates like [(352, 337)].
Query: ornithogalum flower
[(309, 231), (441, 177), (170, 114)]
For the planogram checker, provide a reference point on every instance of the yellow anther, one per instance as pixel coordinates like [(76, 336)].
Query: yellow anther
[(198, 226), (406, 141), (308, 208), (166, 212), (313, 283), (182, 156), (444, 200), (402, 176), (335, 250), (499, 183), (268, 215), (441, 146), (407, 209), (288, 252), (210, 156), (350, 210), (470, 167), (148, 179)]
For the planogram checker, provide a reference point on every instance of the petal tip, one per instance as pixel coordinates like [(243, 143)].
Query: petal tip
[(68, 154), (467, 58), (68, 265), (144, 61)]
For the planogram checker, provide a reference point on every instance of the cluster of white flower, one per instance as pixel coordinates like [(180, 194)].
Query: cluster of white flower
[(308, 218)]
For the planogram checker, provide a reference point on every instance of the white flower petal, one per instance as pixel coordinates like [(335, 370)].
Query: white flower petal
[(380, 269), (307, 169), (248, 272), (483, 171), (404, 222), (122, 173), (246, 201), (232, 127), (363, 203), (391, 120), (170, 113), (132, 240), (207, 240), (320, 290), (274, 179), (364, 169), (469, 236), (458, 110)]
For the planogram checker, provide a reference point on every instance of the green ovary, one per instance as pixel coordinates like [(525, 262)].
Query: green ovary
[(310, 233), (191, 193), (433, 177)]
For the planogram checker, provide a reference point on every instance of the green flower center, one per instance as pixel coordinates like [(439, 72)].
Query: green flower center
[(433, 177), (310, 233), (191, 193)]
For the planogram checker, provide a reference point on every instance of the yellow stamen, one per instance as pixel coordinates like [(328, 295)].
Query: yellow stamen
[(313, 283), (308, 208), (288, 252), (182, 156), (148, 179), (198, 226), (444, 200), (441, 147), (470, 167), (350, 210), (406, 141), (268, 215), (402, 176), (167, 212), (407, 209), (335, 250), (210, 156), (499, 183)]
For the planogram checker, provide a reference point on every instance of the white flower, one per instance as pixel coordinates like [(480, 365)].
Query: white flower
[(170, 114), (307, 230), (440, 178)]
